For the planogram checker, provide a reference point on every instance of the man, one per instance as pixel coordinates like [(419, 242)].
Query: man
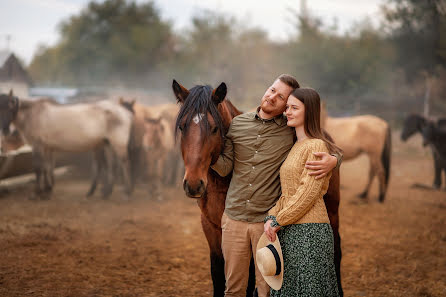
[(256, 145)]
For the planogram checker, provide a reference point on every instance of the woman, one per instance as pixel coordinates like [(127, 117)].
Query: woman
[(299, 217)]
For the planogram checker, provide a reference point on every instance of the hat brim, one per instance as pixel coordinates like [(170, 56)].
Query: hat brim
[(274, 281)]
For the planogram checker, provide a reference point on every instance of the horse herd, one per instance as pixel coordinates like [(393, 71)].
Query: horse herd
[(135, 139), (142, 141)]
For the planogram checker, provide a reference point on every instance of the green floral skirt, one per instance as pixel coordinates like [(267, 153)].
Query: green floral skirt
[(308, 261)]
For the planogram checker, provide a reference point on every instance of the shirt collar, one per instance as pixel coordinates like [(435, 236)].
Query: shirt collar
[(279, 120)]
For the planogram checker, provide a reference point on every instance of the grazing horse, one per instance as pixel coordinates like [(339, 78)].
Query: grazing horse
[(11, 142), (50, 127), (204, 119), (432, 132), (363, 134)]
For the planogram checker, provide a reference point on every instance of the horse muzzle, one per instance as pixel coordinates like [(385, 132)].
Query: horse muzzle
[(194, 190)]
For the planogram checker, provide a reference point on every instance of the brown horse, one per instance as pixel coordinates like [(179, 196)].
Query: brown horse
[(203, 120), (50, 127)]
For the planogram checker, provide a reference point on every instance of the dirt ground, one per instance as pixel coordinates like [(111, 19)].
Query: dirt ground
[(154, 245)]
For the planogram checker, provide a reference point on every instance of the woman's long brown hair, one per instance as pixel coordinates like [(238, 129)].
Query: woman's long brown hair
[(312, 123)]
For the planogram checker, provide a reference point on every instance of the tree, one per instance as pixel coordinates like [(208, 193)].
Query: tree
[(116, 41), (418, 29)]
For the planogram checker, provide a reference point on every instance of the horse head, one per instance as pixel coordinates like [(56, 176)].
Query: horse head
[(413, 123), (202, 129), (9, 106), (428, 132), (128, 104)]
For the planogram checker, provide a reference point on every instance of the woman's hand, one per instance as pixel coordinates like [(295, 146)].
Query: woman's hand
[(270, 231), (323, 166)]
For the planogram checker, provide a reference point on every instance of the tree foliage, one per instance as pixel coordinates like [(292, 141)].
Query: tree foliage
[(365, 70), (109, 41), (418, 29)]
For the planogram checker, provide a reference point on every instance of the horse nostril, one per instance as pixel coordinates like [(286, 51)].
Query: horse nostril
[(184, 184)]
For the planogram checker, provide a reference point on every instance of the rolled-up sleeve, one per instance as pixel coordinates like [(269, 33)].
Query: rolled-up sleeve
[(225, 162)]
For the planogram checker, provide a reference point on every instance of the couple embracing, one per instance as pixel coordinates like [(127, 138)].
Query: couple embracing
[(281, 163)]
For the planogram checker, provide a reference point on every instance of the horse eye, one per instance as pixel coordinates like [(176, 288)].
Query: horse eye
[(180, 128), (214, 130)]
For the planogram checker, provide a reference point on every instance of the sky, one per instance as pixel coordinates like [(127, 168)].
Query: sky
[(29, 23)]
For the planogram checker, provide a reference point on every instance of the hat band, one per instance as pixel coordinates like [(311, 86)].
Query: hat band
[(276, 257)]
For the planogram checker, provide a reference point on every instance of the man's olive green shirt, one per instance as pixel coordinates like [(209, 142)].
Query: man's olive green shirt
[(254, 150)]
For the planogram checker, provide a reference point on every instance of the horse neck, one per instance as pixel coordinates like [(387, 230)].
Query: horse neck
[(24, 114), (227, 111)]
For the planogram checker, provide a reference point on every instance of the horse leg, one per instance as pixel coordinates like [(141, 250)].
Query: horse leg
[(332, 199), (108, 158), (337, 258), (125, 167), (364, 194), (48, 174), (437, 168), (382, 182), (38, 164), (213, 236), (98, 164), (251, 290)]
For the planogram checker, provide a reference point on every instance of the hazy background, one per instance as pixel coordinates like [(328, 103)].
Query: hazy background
[(381, 57)]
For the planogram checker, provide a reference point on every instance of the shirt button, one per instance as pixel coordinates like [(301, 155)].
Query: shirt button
[(256, 152), (247, 200), (253, 167), (250, 185), (258, 135)]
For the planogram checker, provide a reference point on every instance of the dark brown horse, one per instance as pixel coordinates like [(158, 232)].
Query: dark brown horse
[(203, 120), (415, 123)]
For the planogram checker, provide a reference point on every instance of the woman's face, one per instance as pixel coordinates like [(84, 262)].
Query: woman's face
[(295, 112)]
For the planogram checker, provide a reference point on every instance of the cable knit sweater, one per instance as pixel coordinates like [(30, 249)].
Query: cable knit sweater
[(302, 195)]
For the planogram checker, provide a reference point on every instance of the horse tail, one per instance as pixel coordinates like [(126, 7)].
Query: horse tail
[(386, 154)]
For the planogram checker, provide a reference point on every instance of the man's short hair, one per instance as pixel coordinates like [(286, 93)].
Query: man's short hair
[(289, 80)]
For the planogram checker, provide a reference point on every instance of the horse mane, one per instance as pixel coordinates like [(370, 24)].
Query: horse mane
[(199, 101)]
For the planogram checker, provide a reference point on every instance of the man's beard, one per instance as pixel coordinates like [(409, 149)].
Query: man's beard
[(267, 107)]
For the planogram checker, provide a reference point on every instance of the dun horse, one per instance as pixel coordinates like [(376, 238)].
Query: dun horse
[(50, 127), (159, 157), (433, 133), (203, 120), (364, 134)]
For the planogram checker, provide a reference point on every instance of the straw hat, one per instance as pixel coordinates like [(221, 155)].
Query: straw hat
[(270, 261)]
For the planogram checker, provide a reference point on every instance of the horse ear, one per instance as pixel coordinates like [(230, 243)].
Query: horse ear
[(132, 103), (180, 92), (14, 103), (121, 100), (219, 94), (10, 93)]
